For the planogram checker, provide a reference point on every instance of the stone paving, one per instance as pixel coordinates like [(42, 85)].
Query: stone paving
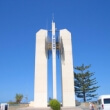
[(32, 108)]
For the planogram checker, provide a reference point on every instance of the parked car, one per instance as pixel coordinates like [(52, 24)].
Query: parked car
[(103, 102)]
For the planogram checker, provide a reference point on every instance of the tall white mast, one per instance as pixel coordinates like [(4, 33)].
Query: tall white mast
[(54, 61)]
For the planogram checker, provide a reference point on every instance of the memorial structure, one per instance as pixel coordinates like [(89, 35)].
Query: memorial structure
[(64, 46)]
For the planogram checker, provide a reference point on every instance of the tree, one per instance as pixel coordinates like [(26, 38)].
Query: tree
[(18, 98), (85, 83)]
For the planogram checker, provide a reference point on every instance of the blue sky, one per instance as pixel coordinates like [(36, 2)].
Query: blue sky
[(87, 20)]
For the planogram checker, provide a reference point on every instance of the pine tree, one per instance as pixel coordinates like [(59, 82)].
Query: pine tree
[(85, 83)]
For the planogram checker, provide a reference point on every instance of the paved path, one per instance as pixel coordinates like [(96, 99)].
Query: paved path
[(32, 108)]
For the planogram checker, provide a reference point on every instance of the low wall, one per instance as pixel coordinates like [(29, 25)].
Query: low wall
[(16, 106)]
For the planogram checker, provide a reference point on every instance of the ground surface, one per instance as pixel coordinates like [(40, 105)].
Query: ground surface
[(26, 107)]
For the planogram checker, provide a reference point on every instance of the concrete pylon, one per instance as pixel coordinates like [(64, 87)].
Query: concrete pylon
[(68, 96), (40, 86)]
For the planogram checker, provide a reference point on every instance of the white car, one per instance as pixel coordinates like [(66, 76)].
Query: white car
[(103, 102)]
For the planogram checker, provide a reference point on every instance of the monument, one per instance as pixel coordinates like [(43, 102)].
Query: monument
[(64, 46)]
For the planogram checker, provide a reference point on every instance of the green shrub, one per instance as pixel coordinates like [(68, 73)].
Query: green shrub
[(11, 103), (54, 104)]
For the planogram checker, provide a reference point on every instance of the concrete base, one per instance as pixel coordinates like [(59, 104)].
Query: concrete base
[(48, 108)]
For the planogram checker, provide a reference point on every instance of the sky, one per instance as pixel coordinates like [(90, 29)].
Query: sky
[(87, 20)]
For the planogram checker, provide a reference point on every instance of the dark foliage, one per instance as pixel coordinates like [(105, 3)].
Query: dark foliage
[(18, 98), (85, 83)]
